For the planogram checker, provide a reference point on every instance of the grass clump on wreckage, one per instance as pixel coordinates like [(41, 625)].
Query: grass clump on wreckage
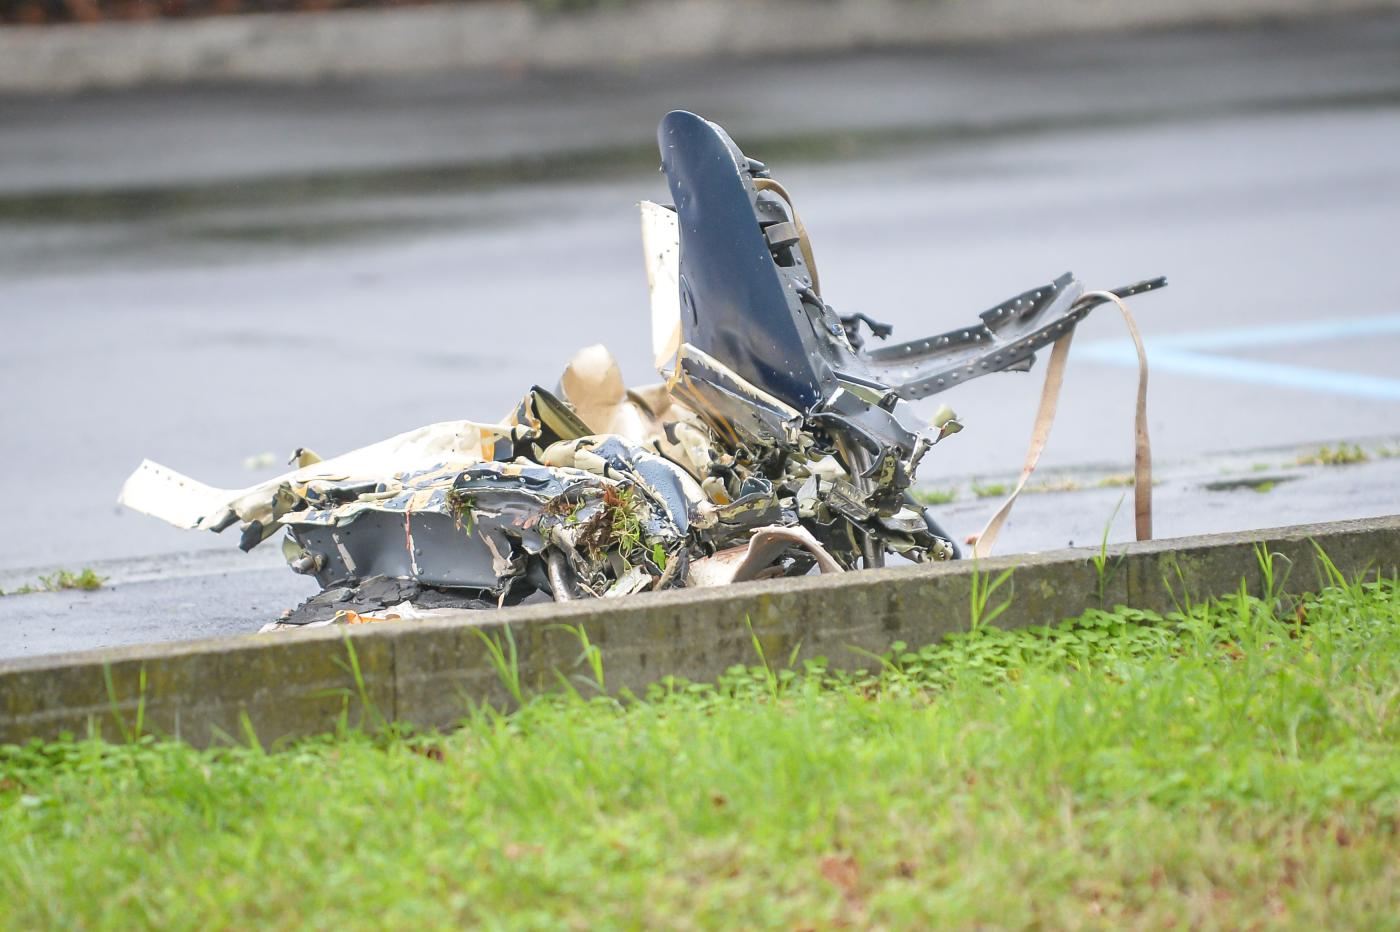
[(776, 443)]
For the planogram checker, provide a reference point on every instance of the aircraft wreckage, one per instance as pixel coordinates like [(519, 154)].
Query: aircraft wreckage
[(778, 441)]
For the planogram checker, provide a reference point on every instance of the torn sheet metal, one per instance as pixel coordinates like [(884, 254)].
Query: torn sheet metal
[(163, 493), (777, 443)]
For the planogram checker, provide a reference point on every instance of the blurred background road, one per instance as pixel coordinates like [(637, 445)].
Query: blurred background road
[(204, 275)]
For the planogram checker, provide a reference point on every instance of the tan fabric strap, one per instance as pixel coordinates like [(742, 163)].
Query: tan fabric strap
[(803, 242), (1045, 417)]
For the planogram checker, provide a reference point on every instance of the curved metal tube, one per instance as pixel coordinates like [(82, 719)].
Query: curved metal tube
[(561, 577)]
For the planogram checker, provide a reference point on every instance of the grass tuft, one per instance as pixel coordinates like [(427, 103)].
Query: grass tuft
[(934, 496), (87, 580), (1343, 455), (1054, 485)]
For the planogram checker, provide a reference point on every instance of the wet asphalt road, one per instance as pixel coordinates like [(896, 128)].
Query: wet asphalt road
[(205, 275)]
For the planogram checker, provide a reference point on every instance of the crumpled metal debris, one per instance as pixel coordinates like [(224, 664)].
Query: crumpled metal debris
[(777, 441)]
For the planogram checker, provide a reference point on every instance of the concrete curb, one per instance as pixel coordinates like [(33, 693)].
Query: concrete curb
[(514, 35), (291, 685)]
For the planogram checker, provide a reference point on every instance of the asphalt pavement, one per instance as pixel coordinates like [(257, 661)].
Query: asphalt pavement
[(207, 275)]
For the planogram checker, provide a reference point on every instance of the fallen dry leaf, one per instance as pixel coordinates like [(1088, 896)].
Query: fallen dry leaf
[(842, 872)]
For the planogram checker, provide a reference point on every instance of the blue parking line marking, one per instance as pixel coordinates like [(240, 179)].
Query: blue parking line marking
[(1235, 369), (1308, 331)]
